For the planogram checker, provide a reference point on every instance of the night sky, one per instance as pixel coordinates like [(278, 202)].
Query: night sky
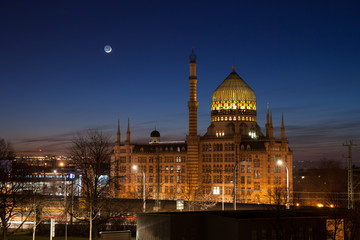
[(301, 57)]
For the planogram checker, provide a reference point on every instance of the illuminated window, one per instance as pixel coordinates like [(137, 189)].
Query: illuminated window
[(230, 118), (256, 173), (252, 134), (222, 118), (247, 118), (243, 118), (216, 191), (225, 118)]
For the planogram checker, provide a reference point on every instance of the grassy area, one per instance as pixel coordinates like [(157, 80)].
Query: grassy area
[(27, 236)]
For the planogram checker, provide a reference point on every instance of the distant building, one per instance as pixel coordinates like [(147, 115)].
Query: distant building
[(46, 175), (233, 145)]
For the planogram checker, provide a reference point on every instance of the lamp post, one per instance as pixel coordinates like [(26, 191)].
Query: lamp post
[(135, 167), (223, 189), (235, 169), (279, 162), (66, 220)]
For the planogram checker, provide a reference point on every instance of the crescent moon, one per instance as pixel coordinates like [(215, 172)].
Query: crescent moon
[(107, 49)]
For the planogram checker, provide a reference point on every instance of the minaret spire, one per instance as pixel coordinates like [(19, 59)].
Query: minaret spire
[(267, 125), (271, 128), (192, 164), (128, 132), (267, 114), (282, 126), (192, 103), (117, 143)]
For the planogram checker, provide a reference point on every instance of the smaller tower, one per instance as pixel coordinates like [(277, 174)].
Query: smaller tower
[(128, 133), (267, 125), (271, 128), (117, 143), (282, 127)]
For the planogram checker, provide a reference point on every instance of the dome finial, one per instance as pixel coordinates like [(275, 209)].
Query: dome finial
[(192, 55), (233, 68)]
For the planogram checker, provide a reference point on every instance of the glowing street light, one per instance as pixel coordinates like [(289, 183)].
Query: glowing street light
[(135, 167), (279, 162)]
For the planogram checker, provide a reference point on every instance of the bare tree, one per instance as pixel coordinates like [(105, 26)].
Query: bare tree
[(6, 150), (277, 196), (11, 186), (91, 154), (200, 199), (37, 206)]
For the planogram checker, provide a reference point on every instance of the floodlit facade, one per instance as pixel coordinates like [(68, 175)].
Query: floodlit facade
[(234, 158)]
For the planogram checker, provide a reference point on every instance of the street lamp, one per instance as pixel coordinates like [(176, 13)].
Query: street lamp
[(135, 167), (279, 162), (235, 169), (66, 216)]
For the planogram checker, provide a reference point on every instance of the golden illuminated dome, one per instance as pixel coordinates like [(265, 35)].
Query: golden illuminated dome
[(233, 93), (233, 88)]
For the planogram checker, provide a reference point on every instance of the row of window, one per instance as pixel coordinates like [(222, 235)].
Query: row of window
[(233, 118), (228, 158), (218, 147), (207, 168), (166, 149), (218, 157), (167, 159), (166, 189)]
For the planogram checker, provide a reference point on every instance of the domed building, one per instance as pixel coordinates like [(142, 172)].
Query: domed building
[(232, 161), (233, 109)]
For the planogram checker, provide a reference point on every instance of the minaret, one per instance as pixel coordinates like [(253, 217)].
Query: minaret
[(192, 140), (128, 133), (192, 103), (282, 127), (117, 143), (271, 128), (267, 125)]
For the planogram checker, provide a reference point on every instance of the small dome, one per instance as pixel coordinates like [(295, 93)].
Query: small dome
[(155, 134), (233, 88)]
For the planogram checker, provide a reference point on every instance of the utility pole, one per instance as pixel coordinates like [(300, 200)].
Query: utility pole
[(350, 176), (235, 180), (157, 201)]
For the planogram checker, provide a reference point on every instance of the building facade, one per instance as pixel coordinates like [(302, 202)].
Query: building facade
[(232, 160)]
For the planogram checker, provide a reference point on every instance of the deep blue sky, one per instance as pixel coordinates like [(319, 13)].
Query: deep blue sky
[(56, 80)]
